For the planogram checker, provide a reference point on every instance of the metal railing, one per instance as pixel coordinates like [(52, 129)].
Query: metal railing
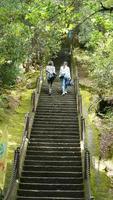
[(20, 151), (85, 152), (15, 174)]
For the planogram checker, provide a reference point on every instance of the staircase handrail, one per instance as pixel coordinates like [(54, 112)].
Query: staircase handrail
[(14, 175), (84, 148), (20, 151), (35, 94)]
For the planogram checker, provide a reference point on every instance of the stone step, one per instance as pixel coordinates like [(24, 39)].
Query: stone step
[(48, 186), (53, 127), (49, 168), (49, 198), (57, 92), (53, 163), (49, 137), (50, 193), (55, 114), (51, 148), (58, 103), (35, 145), (55, 121), (57, 128), (56, 124), (62, 132), (55, 118), (54, 155), (62, 106), (52, 180), (59, 98), (57, 110), (56, 139), (51, 173)]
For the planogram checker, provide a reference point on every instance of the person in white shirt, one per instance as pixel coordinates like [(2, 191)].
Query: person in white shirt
[(64, 75), (50, 75)]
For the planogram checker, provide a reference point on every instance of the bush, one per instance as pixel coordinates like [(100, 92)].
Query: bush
[(8, 74)]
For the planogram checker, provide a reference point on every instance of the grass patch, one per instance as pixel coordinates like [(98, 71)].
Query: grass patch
[(101, 186), (15, 125), (12, 123)]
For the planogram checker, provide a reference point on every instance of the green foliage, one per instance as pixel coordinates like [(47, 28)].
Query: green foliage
[(32, 29), (96, 36), (35, 29), (8, 74), (101, 69)]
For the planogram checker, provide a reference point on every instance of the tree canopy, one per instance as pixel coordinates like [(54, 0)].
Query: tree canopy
[(35, 29)]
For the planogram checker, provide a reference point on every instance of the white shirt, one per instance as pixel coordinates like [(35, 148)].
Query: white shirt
[(50, 69), (65, 70)]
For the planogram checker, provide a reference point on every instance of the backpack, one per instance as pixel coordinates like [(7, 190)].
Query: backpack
[(51, 76)]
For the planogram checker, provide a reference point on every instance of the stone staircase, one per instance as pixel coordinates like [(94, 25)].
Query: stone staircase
[(52, 168)]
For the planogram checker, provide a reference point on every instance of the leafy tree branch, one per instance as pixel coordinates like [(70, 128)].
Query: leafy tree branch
[(102, 9)]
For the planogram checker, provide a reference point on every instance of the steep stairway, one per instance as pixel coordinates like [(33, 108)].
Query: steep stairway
[(52, 168)]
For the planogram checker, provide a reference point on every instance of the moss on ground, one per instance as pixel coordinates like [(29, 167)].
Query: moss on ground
[(13, 120), (101, 185)]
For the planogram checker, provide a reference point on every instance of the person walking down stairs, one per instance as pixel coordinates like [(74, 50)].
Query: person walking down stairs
[(50, 75), (64, 76)]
